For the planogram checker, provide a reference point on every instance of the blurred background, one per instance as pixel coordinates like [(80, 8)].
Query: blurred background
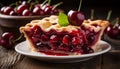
[(101, 7)]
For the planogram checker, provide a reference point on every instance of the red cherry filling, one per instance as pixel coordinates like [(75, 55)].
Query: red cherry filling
[(79, 41)]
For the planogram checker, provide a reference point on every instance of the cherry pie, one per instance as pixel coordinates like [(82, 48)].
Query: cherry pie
[(48, 37)]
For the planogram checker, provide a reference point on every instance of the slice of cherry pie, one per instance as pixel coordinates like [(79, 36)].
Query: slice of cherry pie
[(47, 36)]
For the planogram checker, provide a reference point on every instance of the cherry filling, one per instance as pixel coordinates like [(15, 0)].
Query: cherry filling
[(79, 41)]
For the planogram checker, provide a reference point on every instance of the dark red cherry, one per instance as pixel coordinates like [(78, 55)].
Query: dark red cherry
[(119, 26), (37, 11), (112, 32), (48, 9), (44, 6), (26, 3), (26, 12), (6, 43), (2, 9), (12, 13), (21, 8), (75, 17), (6, 40), (7, 35), (119, 29), (3, 42), (56, 10), (7, 10)]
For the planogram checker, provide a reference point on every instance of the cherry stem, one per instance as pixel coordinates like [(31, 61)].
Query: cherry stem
[(92, 14), (49, 1), (116, 22), (36, 2), (56, 5), (80, 5), (16, 3), (18, 38), (109, 14), (44, 2), (31, 6), (29, 1), (13, 4)]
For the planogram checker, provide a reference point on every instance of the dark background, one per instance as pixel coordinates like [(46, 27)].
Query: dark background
[(101, 7)]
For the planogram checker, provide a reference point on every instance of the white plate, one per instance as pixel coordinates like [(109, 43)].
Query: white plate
[(23, 48)]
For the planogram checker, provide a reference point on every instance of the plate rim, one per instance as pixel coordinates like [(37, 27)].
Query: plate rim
[(70, 56)]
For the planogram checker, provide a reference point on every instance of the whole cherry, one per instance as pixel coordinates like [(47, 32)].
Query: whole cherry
[(21, 8), (37, 10), (7, 35), (44, 5), (6, 43), (26, 12), (27, 3), (112, 30), (2, 9), (13, 13), (76, 17), (7, 10), (48, 9), (6, 40)]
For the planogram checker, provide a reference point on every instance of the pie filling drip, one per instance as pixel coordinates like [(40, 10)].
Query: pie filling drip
[(76, 41)]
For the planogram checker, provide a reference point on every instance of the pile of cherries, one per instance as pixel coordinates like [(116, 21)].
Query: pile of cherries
[(27, 8), (113, 30)]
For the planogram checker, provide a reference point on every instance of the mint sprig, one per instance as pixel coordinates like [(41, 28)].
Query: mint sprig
[(63, 19)]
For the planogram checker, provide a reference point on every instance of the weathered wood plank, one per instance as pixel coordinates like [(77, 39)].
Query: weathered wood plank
[(111, 61), (29, 63), (8, 58)]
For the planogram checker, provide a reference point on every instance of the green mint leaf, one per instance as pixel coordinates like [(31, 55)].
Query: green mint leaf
[(63, 19)]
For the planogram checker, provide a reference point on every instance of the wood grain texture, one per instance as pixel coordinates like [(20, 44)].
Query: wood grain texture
[(111, 61), (8, 58), (29, 63)]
